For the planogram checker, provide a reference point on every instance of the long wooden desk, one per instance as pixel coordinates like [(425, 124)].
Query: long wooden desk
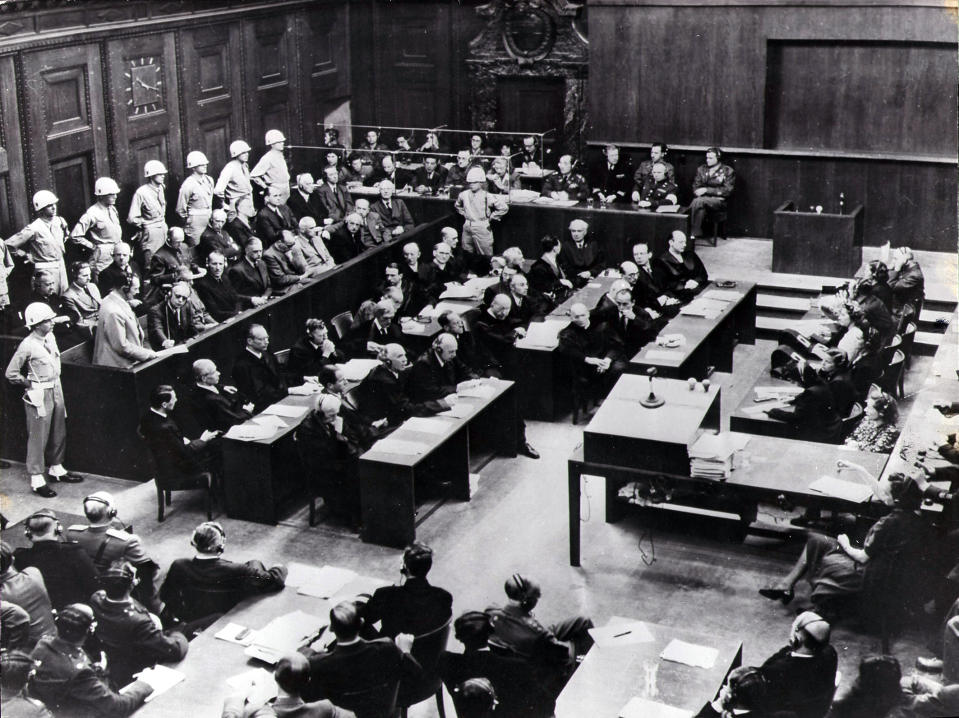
[(748, 418), (769, 468), (389, 481), (104, 404), (709, 341), (611, 675)]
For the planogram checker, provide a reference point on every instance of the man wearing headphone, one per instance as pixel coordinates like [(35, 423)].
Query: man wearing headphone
[(712, 188), (16, 668), (25, 589), (106, 541), (200, 589), (67, 680), (743, 694), (132, 637), (67, 570), (415, 606)]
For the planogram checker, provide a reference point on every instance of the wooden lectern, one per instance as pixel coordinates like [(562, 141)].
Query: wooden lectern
[(812, 243)]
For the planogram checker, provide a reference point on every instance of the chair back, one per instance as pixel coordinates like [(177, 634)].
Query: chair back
[(852, 420), (889, 380), (377, 701), (427, 649), (906, 315), (341, 323), (908, 338), (885, 354)]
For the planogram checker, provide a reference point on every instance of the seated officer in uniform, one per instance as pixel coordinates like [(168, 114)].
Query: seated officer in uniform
[(566, 184), (68, 682), (131, 636), (201, 589), (16, 668), (414, 606), (106, 541), (712, 188), (25, 589), (67, 570), (658, 189)]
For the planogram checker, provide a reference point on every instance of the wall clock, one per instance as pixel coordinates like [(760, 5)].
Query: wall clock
[(144, 85)]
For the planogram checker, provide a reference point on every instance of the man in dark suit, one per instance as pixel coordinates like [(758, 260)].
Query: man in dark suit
[(581, 259), (370, 339), (256, 373), (611, 180), (525, 305), (286, 264), (311, 352), (680, 270), (388, 171), (384, 392), (215, 239), (414, 606), (250, 277), (468, 350), (172, 322), (202, 588), (304, 201), (355, 664), (217, 292), (274, 217), (241, 226), (430, 177), (547, 275), (334, 197), (121, 265), (596, 354), (436, 374), (437, 273), (333, 381), (657, 301), (393, 215), (166, 261), (173, 454), (630, 328), (210, 405), (346, 241)]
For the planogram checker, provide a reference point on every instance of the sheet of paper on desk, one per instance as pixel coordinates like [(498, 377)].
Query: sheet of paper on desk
[(442, 307), (259, 677), (287, 410), (841, 489), (621, 634), (326, 582), (160, 678), (400, 447), (642, 708), (427, 425), (414, 327), (477, 391), (269, 420), (457, 291), (718, 446), (249, 432), (235, 633), (691, 654), (759, 410), (358, 586), (357, 369), (305, 389), (543, 334), (722, 295), (667, 208), (299, 574), (460, 410), (285, 633), (557, 202), (175, 349)]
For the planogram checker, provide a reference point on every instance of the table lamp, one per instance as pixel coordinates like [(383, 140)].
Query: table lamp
[(652, 401)]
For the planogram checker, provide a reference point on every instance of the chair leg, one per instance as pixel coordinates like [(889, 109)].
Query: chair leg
[(900, 384), (440, 708), (169, 498), (159, 504), (312, 508)]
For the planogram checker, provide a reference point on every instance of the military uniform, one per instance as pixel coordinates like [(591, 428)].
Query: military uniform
[(99, 229), (132, 638), (108, 544), (233, 183), (573, 184), (70, 685), (195, 205), (645, 170), (148, 213), (718, 181), (656, 192), (43, 241)]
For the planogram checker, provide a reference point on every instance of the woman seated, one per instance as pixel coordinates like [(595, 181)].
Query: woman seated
[(836, 570), (877, 431), (877, 313), (876, 692)]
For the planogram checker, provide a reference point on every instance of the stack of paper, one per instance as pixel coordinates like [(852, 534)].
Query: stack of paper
[(722, 295), (460, 410), (477, 391), (288, 411), (779, 393), (427, 425), (235, 633), (326, 582), (522, 195), (543, 335), (257, 681), (711, 457), (704, 307), (690, 654), (285, 634), (556, 202), (443, 307), (250, 432), (841, 489), (357, 369), (671, 208), (159, 678), (305, 389)]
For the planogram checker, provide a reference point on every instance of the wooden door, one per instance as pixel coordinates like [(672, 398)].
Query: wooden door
[(268, 46), (67, 121)]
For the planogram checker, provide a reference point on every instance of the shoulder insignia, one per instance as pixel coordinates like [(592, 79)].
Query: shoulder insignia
[(118, 534)]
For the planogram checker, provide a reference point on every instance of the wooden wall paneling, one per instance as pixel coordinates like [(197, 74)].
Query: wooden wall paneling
[(146, 111), (14, 206), (270, 92), (67, 123), (363, 67), (213, 102)]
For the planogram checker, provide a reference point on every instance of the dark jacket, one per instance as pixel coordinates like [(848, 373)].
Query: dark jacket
[(270, 222), (420, 178), (802, 685), (67, 570), (209, 410), (589, 258), (307, 360), (336, 201), (519, 694), (498, 338), (220, 297), (396, 216), (648, 289), (164, 322), (617, 180), (218, 241), (544, 279), (249, 280), (194, 588), (384, 394), (174, 458), (350, 669), (476, 356), (428, 380), (415, 607), (259, 379), (240, 231), (355, 342), (343, 246), (311, 207), (673, 274), (595, 341)]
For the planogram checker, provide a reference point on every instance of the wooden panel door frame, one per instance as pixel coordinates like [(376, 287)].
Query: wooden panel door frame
[(17, 211)]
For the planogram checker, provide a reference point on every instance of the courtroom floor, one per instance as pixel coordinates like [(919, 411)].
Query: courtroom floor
[(517, 522)]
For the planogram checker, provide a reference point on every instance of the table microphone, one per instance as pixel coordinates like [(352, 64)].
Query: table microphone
[(652, 401)]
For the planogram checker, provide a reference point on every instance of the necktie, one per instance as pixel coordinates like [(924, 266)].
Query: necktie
[(388, 205)]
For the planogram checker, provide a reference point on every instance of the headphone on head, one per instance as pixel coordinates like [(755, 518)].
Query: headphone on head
[(41, 514), (100, 500)]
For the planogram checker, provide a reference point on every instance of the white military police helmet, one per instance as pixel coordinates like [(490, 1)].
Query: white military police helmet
[(44, 198)]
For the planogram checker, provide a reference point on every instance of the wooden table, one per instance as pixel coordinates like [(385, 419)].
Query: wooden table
[(760, 423), (211, 661), (770, 467), (817, 243), (388, 481), (610, 676), (709, 341)]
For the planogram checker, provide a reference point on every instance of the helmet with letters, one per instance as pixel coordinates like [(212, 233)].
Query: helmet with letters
[(274, 136), (104, 186), (153, 168), (38, 312), (238, 147), (44, 198), (195, 159), (476, 174)]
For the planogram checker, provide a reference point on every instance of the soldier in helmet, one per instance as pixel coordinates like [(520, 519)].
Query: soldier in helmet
[(68, 682), (195, 201), (106, 541), (234, 181), (148, 210), (35, 366), (479, 208), (272, 169), (42, 242), (132, 637), (99, 227)]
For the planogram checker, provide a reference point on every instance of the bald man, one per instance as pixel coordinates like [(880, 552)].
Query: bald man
[(166, 261), (373, 234), (597, 355), (209, 405), (679, 269), (583, 259), (437, 372)]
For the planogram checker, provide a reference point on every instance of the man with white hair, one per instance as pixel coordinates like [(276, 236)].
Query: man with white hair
[(582, 258), (437, 372), (370, 339), (304, 201), (394, 217), (658, 189), (309, 240), (346, 241), (461, 262), (385, 391), (211, 405), (286, 264), (437, 273), (274, 217), (215, 239), (172, 321)]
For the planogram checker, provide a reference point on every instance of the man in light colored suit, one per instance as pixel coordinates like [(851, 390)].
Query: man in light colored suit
[(119, 338), (286, 264), (81, 301)]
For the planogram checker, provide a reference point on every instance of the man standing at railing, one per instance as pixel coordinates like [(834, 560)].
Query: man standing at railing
[(479, 208)]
